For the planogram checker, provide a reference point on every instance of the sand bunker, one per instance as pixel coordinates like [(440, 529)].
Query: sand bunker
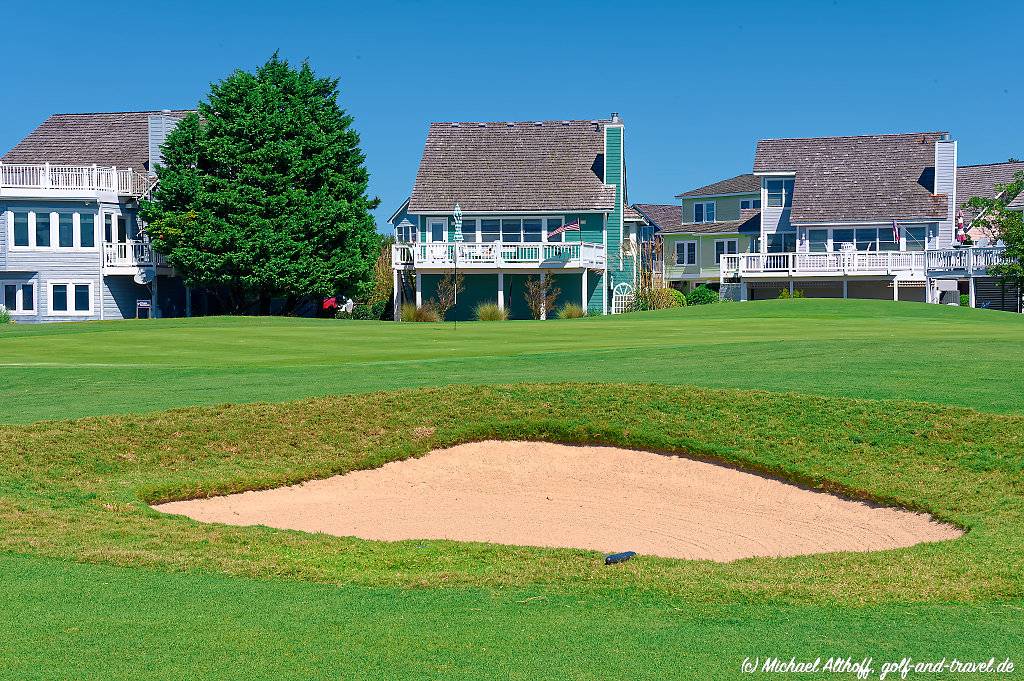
[(600, 498)]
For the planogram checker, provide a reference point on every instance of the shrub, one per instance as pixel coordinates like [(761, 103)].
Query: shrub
[(701, 295), (490, 312), (797, 293), (675, 296), (426, 313), (5, 316), (571, 311), (965, 300), (656, 299), (540, 294)]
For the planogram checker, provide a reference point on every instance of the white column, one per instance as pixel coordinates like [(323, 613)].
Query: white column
[(604, 291), (583, 291), (419, 290), (791, 287), (895, 288), (396, 295), (846, 288), (501, 290), (744, 291), (972, 294), (543, 307), (154, 305)]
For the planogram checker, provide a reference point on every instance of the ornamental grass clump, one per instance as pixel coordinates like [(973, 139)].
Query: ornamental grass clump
[(5, 316), (490, 312), (571, 311), (424, 313)]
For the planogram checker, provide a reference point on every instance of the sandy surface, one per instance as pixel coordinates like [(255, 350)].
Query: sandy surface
[(600, 498)]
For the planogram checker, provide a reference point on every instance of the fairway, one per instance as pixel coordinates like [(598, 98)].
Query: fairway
[(896, 404)]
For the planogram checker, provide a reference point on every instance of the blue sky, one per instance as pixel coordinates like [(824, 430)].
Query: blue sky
[(697, 85)]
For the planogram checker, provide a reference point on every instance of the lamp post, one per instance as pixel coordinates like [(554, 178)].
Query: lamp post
[(457, 237)]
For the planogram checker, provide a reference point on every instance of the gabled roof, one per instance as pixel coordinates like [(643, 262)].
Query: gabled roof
[(630, 214), (1017, 203), (871, 177), (109, 139), (749, 222), (981, 180), (661, 215), (741, 184), (514, 167)]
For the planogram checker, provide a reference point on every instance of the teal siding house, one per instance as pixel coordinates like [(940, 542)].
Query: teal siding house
[(544, 199)]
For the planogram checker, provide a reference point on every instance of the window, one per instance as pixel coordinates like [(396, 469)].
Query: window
[(70, 298), (42, 230), (512, 230), (533, 230), (782, 242), (437, 228), (704, 211), (746, 204), (469, 230), (21, 230), (755, 244), (686, 253), (65, 230), (87, 230), (19, 298), (917, 238), (490, 230), (108, 228), (842, 239), (780, 193), (724, 247), (553, 224), (817, 240)]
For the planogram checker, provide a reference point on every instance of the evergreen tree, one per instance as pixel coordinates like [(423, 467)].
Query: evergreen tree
[(262, 193)]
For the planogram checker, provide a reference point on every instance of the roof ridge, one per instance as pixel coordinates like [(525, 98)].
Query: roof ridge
[(852, 137), (563, 121), (111, 113), (996, 163)]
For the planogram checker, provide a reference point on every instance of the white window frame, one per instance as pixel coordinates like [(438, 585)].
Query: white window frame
[(704, 208), (54, 219), (19, 297), (736, 248), (545, 227), (686, 253), (430, 229), (70, 283)]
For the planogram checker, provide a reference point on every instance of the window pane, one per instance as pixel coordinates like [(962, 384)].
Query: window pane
[(28, 292), (744, 204), (65, 230), (131, 227), (21, 229), (730, 247), (87, 230), (698, 212), (782, 242), (916, 237), (866, 239), (437, 229), (788, 189), (490, 230), (511, 230), (532, 230), (59, 297), (11, 296), (691, 253), (709, 212), (818, 240), (887, 239), (108, 228), (842, 238), (469, 230), (552, 225), (757, 203), (82, 297), (680, 253), (42, 230), (122, 231), (774, 192)]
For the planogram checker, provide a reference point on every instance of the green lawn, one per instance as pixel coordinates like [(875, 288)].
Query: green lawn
[(97, 585), (850, 348)]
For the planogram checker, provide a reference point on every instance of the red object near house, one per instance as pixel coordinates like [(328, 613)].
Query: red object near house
[(331, 304)]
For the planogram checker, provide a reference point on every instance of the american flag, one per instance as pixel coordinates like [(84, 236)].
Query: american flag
[(573, 226), (895, 232)]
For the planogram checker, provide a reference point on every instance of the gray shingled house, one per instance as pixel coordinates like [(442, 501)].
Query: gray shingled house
[(71, 247), (537, 199)]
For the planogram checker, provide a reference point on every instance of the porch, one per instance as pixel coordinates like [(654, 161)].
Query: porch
[(497, 255), (131, 257), (905, 264), (32, 180)]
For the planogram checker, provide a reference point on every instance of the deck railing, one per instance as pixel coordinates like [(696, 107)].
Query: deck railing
[(498, 254), (72, 178), (913, 263), (965, 259), (127, 254)]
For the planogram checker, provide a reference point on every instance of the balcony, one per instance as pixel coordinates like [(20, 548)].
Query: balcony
[(499, 255), (964, 261), (906, 264), (131, 258), (31, 180)]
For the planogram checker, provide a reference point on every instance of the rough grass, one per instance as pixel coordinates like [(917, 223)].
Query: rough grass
[(77, 490), (490, 312)]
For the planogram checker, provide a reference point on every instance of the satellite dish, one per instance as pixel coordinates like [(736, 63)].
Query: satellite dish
[(144, 276)]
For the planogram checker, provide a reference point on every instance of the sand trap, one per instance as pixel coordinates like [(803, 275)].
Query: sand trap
[(600, 498)]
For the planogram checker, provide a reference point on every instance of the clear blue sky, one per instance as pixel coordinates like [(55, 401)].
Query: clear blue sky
[(696, 85)]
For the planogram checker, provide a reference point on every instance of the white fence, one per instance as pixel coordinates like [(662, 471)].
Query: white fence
[(127, 254), (498, 254), (72, 178)]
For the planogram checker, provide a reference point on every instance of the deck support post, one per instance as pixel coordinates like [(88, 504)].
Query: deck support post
[(846, 288), (501, 290), (895, 289), (396, 305), (188, 301), (791, 287), (543, 306), (744, 291), (604, 291), (972, 295), (419, 290), (583, 292)]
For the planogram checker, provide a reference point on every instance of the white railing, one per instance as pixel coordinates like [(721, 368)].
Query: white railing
[(974, 259), (498, 254), (844, 262), (72, 178), (127, 254)]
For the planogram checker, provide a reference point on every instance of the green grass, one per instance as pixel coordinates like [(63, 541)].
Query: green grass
[(850, 348), (91, 574)]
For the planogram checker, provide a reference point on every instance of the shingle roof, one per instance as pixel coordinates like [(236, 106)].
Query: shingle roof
[(630, 214), (872, 177), (980, 180), (750, 221), (1017, 203), (110, 139), (741, 184), (661, 215), (548, 165)]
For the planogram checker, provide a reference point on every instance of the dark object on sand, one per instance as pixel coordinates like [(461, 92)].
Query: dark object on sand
[(614, 558)]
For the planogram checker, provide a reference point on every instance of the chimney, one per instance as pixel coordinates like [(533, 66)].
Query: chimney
[(945, 183)]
